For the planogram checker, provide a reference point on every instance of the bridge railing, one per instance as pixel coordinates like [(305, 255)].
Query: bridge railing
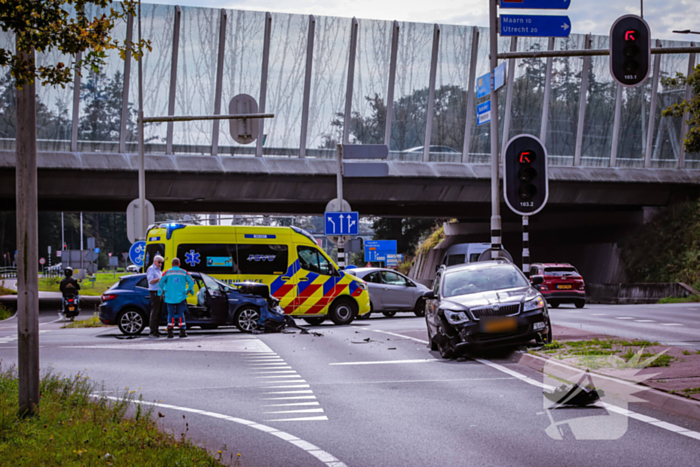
[(384, 99)]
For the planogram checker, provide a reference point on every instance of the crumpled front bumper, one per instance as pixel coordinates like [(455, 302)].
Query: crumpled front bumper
[(470, 335)]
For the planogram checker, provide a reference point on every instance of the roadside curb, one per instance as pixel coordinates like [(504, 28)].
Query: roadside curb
[(653, 397)]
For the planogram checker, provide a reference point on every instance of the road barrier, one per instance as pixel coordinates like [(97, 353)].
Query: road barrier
[(636, 293)]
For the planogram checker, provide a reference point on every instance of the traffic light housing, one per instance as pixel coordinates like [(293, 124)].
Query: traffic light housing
[(630, 50), (525, 178)]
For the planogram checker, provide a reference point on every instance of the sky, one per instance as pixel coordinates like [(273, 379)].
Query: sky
[(594, 16)]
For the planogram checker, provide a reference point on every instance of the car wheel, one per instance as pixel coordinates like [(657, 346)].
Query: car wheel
[(315, 321), (544, 339), (389, 314), (131, 322), (419, 310), (432, 345), (246, 319), (554, 304), (580, 303), (343, 311)]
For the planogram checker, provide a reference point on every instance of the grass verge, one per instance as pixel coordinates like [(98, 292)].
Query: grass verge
[(689, 299), (91, 322), (72, 428), (5, 312), (101, 284)]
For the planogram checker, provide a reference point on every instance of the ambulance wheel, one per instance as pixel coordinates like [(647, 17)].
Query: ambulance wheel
[(343, 311), (246, 319), (315, 321)]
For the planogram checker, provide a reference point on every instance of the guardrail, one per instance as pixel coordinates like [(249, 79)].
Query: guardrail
[(8, 272)]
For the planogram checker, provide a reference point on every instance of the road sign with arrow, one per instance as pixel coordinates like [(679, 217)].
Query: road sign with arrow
[(535, 26), (341, 223)]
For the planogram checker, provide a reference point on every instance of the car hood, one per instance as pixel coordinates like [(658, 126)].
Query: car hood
[(493, 297)]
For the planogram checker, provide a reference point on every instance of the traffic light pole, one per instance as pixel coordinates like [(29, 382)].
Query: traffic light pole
[(341, 238), (495, 193), (526, 245)]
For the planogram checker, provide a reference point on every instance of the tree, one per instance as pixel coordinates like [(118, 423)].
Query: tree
[(41, 27), (692, 107)]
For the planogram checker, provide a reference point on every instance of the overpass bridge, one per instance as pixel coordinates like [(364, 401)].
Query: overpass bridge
[(187, 183)]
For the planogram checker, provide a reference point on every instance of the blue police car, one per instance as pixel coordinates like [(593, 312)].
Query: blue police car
[(127, 304)]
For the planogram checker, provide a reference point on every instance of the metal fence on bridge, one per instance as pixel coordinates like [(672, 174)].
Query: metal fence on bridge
[(202, 57)]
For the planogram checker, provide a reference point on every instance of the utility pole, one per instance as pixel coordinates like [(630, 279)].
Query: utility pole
[(341, 238), (27, 246), (81, 240), (495, 193), (63, 237), (142, 156)]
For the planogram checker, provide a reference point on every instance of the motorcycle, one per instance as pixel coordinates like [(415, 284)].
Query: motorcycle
[(71, 306)]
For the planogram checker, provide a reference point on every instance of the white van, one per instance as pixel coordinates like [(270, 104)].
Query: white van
[(462, 253)]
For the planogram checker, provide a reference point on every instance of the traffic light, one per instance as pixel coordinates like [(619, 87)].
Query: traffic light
[(525, 181), (630, 50)]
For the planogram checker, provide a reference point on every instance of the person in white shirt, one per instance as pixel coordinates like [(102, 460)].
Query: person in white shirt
[(153, 276)]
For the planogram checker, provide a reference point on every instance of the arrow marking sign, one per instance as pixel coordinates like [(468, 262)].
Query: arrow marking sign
[(341, 223), (535, 26)]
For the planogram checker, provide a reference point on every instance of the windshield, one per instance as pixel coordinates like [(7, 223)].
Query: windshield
[(562, 271), (469, 281)]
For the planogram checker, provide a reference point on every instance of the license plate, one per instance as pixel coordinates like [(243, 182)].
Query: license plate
[(563, 286), (71, 308), (509, 324)]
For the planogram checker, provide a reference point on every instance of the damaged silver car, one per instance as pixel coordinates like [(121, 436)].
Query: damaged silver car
[(485, 304)]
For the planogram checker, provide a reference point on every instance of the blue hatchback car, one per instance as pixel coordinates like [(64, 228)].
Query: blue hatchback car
[(127, 304)]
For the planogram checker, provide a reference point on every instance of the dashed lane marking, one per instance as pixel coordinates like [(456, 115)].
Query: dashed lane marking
[(645, 321), (613, 408), (624, 317), (671, 324), (313, 450)]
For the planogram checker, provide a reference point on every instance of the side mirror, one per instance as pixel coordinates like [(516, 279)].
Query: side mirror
[(536, 280), (429, 295)]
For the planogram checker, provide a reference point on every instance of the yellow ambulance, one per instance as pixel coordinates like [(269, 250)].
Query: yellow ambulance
[(300, 275)]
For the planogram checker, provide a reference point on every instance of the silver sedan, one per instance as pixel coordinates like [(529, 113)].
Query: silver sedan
[(391, 292)]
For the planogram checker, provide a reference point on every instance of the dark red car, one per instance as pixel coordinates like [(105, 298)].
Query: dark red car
[(562, 284)]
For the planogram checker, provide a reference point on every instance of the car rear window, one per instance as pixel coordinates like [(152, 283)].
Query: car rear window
[(561, 271)]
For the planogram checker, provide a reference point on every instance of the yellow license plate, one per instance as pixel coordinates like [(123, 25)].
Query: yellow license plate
[(500, 325), (563, 286), (71, 308)]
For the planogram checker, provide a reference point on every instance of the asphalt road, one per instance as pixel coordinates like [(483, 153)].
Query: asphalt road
[(368, 394), (675, 324)]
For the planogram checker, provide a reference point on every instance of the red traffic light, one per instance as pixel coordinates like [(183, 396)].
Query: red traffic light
[(527, 157), (630, 35)]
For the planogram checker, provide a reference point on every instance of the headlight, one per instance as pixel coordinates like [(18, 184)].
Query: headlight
[(362, 285), (456, 317), (533, 304)]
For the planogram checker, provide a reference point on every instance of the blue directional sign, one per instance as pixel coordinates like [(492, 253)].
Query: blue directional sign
[(483, 113), (341, 223), (482, 85), (536, 4), (377, 250), (137, 252), (499, 76), (535, 26)]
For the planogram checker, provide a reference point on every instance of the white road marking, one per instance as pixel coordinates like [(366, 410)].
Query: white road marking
[(187, 345), (624, 317), (275, 371), (300, 419), (291, 404), (613, 408), (645, 321), (278, 377), (287, 386), (318, 453), (288, 398), (402, 336), (267, 364), (290, 392), (299, 411), (671, 324), (425, 360), (599, 314)]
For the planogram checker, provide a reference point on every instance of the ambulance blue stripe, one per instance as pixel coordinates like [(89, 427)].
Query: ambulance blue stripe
[(352, 287), (329, 284), (277, 283), (303, 285)]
